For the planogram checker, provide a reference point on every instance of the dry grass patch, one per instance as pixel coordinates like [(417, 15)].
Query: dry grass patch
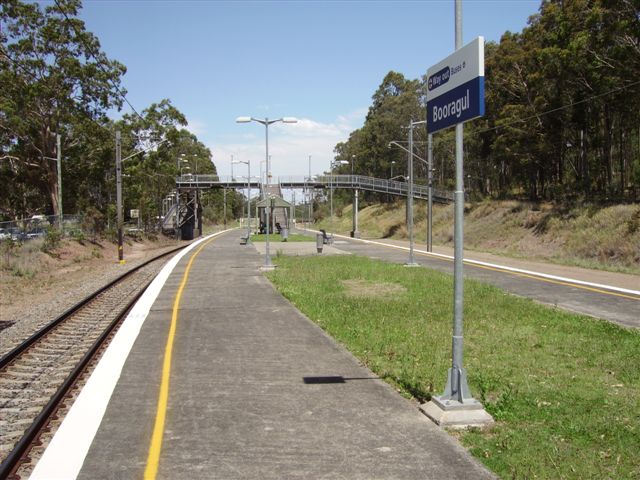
[(380, 290)]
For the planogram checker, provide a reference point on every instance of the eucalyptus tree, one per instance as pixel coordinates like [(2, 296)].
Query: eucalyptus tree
[(53, 79)]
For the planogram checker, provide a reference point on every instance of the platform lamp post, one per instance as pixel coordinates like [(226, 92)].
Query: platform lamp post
[(411, 262), (309, 195), (248, 164), (428, 163), (268, 265), (331, 167), (354, 233), (412, 124), (262, 162)]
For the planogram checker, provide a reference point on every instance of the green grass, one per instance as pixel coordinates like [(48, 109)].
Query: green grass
[(293, 237), (564, 389), (597, 237)]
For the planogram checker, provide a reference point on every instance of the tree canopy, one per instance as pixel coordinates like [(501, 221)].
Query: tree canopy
[(55, 80), (562, 110)]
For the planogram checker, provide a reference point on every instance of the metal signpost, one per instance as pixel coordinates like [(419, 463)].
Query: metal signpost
[(455, 94), (430, 194)]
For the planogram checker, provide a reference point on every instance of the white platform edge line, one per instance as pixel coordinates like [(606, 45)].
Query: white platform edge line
[(501, 267), (65, 454)]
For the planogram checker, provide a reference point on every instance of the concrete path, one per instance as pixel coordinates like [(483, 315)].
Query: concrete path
[(258, 391)]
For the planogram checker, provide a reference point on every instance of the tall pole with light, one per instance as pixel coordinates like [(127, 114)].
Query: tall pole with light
[(309, 195), (430, 218), (354, 232), (268, 265), (248, 164), (332, 165), (412, 124)]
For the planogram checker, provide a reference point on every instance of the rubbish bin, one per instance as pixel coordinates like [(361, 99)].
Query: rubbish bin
[(319, 242), (284, 233)]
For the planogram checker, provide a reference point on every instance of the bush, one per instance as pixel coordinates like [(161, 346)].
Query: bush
[(93, 223), (52, 239)]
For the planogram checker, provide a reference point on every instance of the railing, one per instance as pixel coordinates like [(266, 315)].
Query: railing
[(362, 182), (380, 185)]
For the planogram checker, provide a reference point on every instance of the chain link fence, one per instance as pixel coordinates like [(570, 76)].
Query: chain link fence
[(37, 227)]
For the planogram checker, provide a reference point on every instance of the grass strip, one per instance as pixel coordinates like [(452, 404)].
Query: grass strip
[(276, 238), (564, 388)]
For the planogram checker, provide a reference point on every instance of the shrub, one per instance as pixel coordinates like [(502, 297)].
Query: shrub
[(52, 239), (93, 223)]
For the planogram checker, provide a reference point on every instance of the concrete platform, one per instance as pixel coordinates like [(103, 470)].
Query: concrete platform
[(296, 249), (257, 391)]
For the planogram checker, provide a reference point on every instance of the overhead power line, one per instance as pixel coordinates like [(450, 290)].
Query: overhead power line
[(96, 58), (563, 107)]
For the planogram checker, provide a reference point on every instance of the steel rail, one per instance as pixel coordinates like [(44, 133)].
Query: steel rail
[(13, 354), (12, 462)]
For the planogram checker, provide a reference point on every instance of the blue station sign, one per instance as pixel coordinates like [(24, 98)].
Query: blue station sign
[(455, 87)]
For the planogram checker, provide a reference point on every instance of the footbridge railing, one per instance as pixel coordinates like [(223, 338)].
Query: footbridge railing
[(360, 182)]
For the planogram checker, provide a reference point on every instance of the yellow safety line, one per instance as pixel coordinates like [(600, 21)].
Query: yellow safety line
[(158, 429)]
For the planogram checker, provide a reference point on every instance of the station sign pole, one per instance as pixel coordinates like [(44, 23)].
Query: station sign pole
[(455, 94)]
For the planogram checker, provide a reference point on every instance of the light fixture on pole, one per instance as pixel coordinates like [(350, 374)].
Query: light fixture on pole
[(430, 188), (268, 265), (411, 262), (309, 195), (248, 164), (354, 232), (331, 167)]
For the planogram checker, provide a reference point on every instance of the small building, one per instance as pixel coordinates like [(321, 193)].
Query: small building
[(279, 210)]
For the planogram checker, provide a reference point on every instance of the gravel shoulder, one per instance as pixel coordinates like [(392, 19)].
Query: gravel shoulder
[(62, 279)]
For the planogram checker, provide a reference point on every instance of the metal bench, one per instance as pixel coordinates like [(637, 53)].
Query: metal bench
[(327, 239)]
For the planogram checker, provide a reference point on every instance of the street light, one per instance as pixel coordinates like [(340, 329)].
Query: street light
[(309, 190), (354, 218), (411, 261), (248, 164), (262, 162), (430, 170), (268, 265), (331, 167)]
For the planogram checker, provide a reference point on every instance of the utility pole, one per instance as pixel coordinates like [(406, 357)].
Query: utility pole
[(225, 206), (309, 190), (119, 196), (59, 157)]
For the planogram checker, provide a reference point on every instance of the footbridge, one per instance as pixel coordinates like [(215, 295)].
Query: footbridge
[(186, 216), (351, 182)]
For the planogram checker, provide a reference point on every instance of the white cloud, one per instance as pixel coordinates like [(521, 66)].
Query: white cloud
[(196, 127), (289, 146)]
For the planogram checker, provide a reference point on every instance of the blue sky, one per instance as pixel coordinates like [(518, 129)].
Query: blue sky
[(318, 61)]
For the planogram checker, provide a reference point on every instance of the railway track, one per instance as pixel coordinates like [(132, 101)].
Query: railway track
[(39, 376)]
